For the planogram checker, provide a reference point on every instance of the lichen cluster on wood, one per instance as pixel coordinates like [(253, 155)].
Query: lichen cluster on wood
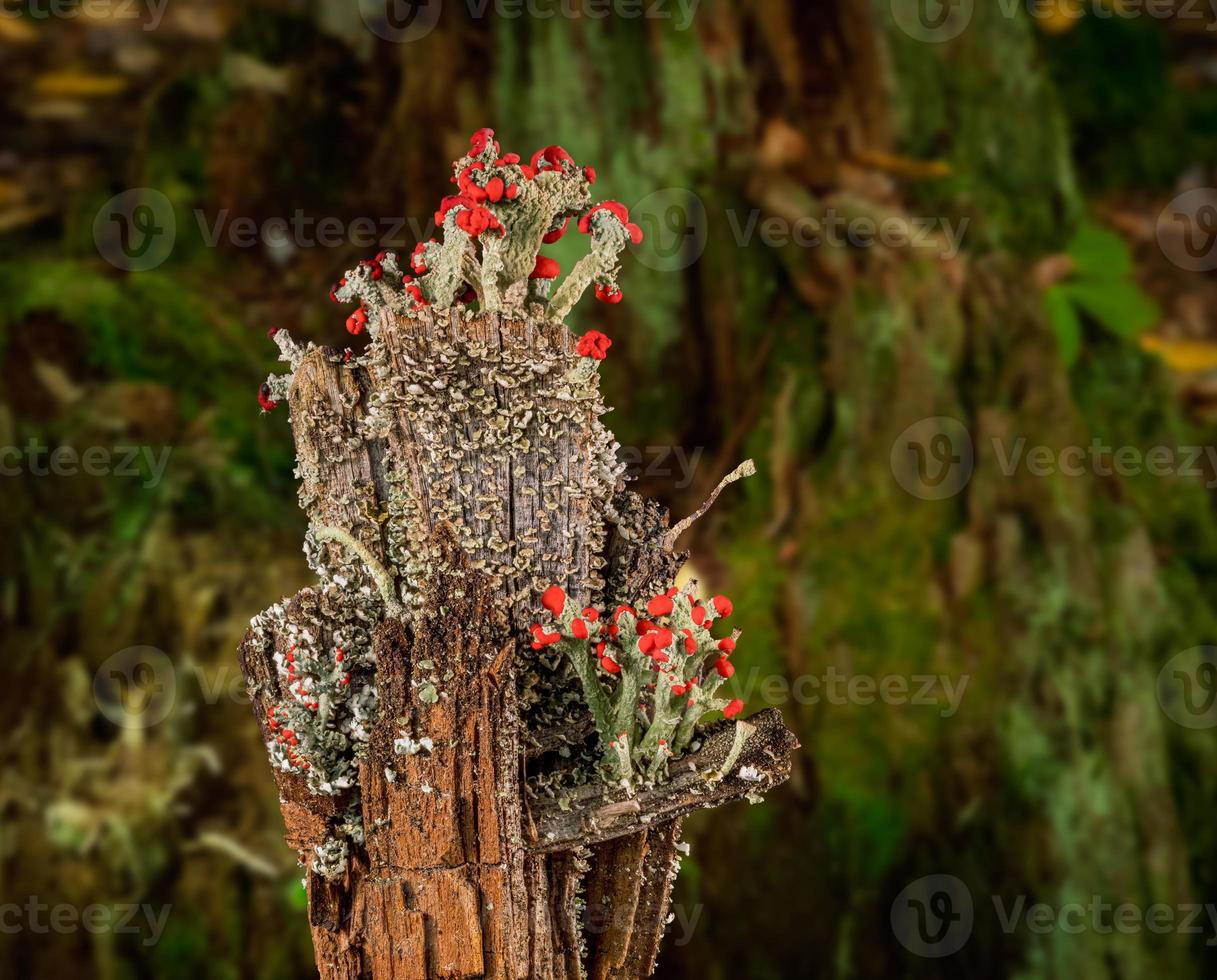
[(442, 777)]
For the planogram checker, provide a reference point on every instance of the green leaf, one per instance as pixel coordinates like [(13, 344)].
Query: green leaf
[(1121, 307), (1065, 323), (1099, 254)]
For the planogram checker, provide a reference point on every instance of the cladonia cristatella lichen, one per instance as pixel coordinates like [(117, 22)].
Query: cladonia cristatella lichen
[(452, 471)]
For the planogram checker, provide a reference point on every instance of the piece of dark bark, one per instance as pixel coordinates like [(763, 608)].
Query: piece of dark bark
[(590, 814)]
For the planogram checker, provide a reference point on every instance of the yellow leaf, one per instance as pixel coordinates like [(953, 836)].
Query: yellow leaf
[(16, 31), (1183, 356), (903, 166), (73, 84), (1060, 17), (19, 217)]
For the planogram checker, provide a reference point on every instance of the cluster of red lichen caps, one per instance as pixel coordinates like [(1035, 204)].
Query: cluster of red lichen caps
[(301, 686), (666, 647), (488, 183), (491, 186)]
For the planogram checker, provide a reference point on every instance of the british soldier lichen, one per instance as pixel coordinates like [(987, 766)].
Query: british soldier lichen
[(648, 678), (474, 407), (490, 237)]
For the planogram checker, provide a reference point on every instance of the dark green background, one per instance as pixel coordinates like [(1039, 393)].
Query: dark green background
[(1058, 598)]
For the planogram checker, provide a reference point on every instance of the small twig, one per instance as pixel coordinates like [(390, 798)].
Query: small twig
[(742, 730), (746, 468), (238, 852), (702, 779), (382, 576)]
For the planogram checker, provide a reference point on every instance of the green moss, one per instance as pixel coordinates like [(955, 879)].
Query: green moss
[(155, 327), (1132, 123), (1010, 170)]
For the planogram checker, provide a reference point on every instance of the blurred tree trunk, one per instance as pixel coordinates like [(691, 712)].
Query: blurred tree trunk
[(817, 360)]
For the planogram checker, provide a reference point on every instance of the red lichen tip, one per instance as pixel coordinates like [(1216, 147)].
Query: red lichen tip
[(724, 667), (552, 236), (727, 645), (480, 140), (733, 709), (661, 605), (417, 262), (554, 599), (477, 220), (618, 211), (609, 293), (357, 321), (541, 639), (593, 344), (268, 404), (545, 268), (610, 665), (722, 606), (550, 158)]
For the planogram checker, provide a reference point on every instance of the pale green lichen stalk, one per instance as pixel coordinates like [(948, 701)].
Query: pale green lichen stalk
[(649, 677)]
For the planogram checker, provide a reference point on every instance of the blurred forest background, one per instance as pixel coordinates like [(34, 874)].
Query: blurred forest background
[(1059, 136)]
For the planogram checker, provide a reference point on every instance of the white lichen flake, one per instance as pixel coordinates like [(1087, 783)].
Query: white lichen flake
[(330, 860)]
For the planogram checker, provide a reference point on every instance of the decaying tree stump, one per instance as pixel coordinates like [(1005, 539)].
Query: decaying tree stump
[(442, 777)]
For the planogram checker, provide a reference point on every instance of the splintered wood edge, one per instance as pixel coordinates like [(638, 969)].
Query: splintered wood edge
[(591, 814)]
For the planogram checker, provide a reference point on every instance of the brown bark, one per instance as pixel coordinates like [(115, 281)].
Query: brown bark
[(457, 454)]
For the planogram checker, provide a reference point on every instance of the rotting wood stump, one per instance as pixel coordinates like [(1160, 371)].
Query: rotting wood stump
[(445, 764)]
